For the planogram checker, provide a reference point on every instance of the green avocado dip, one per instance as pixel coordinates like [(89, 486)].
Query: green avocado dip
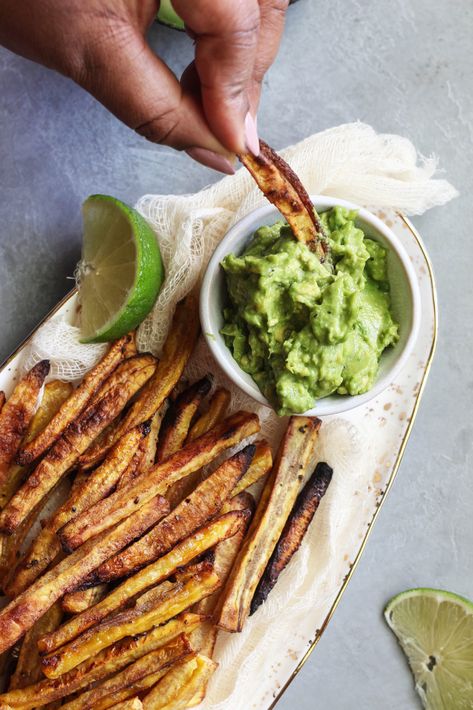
[(300, 329)]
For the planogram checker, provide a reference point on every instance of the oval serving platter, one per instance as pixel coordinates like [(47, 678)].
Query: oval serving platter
[(389, 419)]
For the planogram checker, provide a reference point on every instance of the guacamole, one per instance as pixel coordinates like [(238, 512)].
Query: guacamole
[(302, 329)]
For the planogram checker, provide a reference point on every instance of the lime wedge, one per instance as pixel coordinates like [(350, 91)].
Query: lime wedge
[(120, 272), (435, 630)]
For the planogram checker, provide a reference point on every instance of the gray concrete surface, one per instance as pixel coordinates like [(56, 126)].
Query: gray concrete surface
[(402, 65)]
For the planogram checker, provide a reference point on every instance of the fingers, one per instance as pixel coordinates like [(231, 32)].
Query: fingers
[(226, 35), (272, 17)]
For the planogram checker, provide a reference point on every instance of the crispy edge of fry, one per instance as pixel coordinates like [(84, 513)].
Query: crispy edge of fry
[(279, 494), (155, 609), (82, 599), (204, 502), (67, 449), (145, 665), (164, 693), (93, 488), (283, 188), (176, 352), (260, 466), (218, 405), (158, 479), (206, 537), (22, 612), (179, 416), (28, 667), (293, 533), (17, 413), (46, 691), (76, 403)]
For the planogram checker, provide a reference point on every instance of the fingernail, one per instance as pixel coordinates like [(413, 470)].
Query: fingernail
[(251, 134), (211, 160)]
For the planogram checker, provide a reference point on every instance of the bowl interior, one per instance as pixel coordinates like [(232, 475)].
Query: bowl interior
[(402, 280)]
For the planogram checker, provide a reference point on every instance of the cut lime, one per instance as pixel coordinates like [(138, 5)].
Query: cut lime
[(120, 272), (435, 630)]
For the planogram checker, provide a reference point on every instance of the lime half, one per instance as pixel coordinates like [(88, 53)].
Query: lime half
[(120, 272), (435, 630)]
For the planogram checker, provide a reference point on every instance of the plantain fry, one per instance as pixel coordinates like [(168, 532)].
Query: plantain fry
[(93, 488), (296, 526), (260, 466), (130, 704), (138, 686), (146, 453), (17, 413), (158, 479), (204, 502), (279, 494), (216, 411), (282, 188), (156, 607), (124, 370), (205, 538), (28, 667), (76, 403), (67, 449), (179, 417), (182, 685), (176, 352), (21, 613), (46, 691), (82, 599)]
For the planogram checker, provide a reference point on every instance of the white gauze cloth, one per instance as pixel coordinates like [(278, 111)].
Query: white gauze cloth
[(352, 162)]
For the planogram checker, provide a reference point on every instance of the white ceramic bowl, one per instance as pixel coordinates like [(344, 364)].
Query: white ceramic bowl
[(405, 298)]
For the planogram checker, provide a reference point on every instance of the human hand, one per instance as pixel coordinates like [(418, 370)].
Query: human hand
[(101, 45)]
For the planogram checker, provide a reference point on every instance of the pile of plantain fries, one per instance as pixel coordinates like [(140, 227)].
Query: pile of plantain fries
[(118, 599)]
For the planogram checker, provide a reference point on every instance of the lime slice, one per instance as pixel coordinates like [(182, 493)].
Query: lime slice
[(120, 272), (435, 630)]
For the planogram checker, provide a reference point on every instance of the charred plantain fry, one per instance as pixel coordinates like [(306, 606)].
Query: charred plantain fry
[(46, 691), (146, 453), (203, 539), (17, 413), (93, 488), (176, 352), (158, 479), (279, 494), (68, 448), (124, 370), (28, 667), (204, 502), (138, 686), (20, 615), (282, 188), (82, 599), (179, 417), (77, 402), (157, 608), (296, 526), (260, 466), (218, 405)]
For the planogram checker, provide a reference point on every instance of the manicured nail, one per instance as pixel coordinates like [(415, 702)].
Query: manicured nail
[(251, 134), (211, 160)]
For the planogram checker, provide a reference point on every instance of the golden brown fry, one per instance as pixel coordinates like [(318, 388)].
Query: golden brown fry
[(138, 686), (20, 615), (67, 449), (204, 502), (182, 685), (282, 187), (82, 599), (294, 530), (130, 704), (260, 466), (28, 667), (46, 691), (216, 411), (179, 417), (279, 494), (125, 369), (207, 537), (17, 413), (93, 488), (146, 454), (158, 479), (156, 607), (76, 403), (176, 352)]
